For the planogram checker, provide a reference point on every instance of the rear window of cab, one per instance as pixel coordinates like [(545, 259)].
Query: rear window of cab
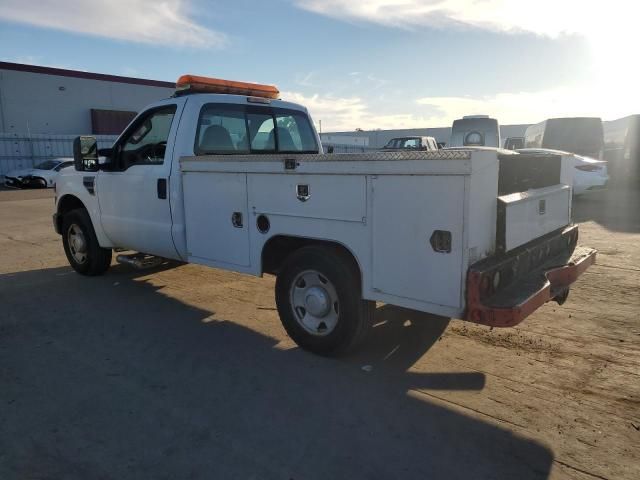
[(227, 129)]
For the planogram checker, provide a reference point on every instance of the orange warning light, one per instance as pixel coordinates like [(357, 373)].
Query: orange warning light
[(194, 83)]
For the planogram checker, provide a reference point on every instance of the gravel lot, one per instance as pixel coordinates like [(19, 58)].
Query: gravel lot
[(185, 372)]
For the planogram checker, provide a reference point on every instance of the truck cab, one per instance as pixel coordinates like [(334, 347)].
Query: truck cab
[(226, 175), (134, 191)]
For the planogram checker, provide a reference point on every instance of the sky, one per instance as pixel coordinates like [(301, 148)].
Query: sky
[(369, 64)]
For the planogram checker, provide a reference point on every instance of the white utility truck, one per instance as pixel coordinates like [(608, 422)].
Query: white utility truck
[(226, 175)]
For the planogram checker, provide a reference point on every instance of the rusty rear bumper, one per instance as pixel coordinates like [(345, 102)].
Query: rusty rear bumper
[(528, 278)]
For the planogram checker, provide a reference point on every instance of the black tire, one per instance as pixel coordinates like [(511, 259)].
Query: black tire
[(355, 314), (97, 259)]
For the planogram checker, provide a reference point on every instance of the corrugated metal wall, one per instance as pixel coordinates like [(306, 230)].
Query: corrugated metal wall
[(23, 150)]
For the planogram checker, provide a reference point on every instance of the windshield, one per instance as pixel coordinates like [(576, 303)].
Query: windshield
[(47, 165), (409, 142)]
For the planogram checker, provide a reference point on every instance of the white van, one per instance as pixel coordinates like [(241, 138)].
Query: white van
[(475, 131), (580, 135)]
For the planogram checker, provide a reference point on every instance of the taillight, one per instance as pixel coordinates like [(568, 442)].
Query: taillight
[(588, 168), (490, 283)]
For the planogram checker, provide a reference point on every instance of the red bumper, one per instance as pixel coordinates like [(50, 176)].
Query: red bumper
[(526, 288)]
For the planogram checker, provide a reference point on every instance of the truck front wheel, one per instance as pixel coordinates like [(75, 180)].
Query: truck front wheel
[(81, 244), (318, 296)]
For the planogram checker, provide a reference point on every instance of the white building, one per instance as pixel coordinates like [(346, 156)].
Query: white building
[(42, 109), (47, 100)]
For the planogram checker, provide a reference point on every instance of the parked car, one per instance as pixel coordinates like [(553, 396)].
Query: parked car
[(589, 174), (411, 143), (42, 175)]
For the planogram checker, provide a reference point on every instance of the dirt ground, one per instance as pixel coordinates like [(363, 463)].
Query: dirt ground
[(185, 372)]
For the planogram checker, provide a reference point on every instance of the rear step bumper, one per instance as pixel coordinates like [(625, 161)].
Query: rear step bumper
[(556, 263)]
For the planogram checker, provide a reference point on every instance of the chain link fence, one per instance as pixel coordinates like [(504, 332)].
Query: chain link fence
[(18, 151)]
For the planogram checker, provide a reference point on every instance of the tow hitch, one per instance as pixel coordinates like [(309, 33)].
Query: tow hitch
[(562, 296)]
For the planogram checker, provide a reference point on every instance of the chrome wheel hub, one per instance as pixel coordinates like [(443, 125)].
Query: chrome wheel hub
[(77, 243), (315, 303)]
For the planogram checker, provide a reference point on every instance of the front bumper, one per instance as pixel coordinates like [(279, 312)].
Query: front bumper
[(528, 277), (591, 184), (12, 182)]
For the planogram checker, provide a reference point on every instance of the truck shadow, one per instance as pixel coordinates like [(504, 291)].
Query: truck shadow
[(398, 339), (110, 378), (615, 208)]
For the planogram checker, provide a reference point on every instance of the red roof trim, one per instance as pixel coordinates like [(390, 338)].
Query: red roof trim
[(62, 72)]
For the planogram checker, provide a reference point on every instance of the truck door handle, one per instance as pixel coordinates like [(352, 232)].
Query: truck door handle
[(162, 188)]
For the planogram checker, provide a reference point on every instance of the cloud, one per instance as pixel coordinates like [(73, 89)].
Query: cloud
[(545, 17), (305, 79), (520, 107), (165, 22), (349, 113), (531, 107), (336, 113), (610, 29)]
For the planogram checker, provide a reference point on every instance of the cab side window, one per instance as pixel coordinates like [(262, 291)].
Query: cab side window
[(261, 131), (221, 129), (239, 129), (147, 143), (294, 133)]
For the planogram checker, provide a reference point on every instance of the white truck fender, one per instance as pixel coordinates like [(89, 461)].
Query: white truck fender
[(84, 192)]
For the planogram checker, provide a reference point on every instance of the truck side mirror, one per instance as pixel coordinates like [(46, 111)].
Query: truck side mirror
[(85, 154)]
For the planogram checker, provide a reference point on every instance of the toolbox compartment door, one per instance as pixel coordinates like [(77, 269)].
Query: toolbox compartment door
[(216, 217), (407, 210), (525, 216)]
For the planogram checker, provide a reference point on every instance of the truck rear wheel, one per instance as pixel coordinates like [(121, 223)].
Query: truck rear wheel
[(81, 246), (318, 296)]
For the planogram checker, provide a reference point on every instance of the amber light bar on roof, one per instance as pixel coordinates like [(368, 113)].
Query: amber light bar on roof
[(194, 83)]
